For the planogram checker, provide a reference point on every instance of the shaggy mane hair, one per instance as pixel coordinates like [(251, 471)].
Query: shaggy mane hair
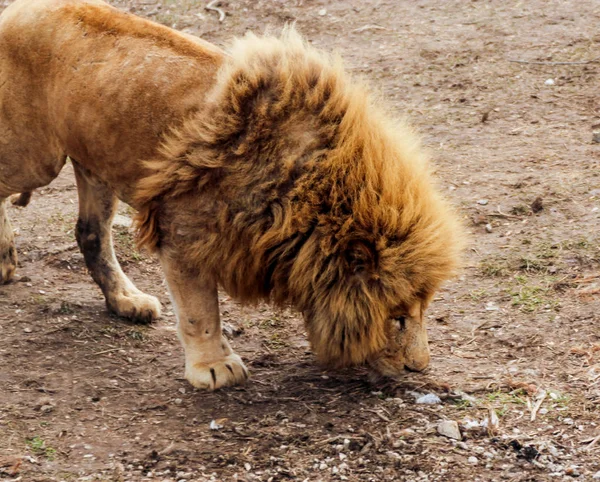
[(290, 185)]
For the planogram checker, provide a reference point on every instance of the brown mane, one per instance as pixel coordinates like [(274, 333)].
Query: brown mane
[(291, 185)]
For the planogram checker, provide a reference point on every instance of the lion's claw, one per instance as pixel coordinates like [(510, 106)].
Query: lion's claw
[(222, 373)]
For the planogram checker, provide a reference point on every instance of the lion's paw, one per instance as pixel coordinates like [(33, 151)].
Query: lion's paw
[(8, 263), (223, 373), (138, 307)]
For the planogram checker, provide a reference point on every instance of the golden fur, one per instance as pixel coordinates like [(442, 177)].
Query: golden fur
[(290, 185), (267, 170)]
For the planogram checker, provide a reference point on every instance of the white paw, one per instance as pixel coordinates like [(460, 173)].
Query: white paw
[(139, 307), (222, 373)]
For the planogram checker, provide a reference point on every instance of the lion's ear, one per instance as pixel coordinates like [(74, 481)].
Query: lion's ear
[(361, 258), (147, 227)]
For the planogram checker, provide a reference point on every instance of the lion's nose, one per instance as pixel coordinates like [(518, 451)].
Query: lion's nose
[(417, 360)]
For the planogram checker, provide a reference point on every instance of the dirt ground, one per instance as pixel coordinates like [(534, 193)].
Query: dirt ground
[(85, 396)]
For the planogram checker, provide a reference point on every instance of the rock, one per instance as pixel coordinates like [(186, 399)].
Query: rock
[(429, 399), (322, 12), (488, 227), (27, 330), (596, 475), (537, 205), (483, 202), (449, 428), (549, 82), (473, 460)]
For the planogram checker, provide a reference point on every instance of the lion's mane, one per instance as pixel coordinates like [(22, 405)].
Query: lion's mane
[(290, 184)]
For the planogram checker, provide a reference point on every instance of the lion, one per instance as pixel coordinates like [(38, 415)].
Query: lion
[(266, 170)]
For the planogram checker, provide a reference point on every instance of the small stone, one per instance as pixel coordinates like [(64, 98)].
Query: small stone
[(178, 401), (473, 460), (596, 475), (248, 467), (27, 330), (549, 82), (572, 471), (46, 408), (488, 227), (429, 399), (537, 205), (449, 428), (322, 466), (483, 202), (322, 12)]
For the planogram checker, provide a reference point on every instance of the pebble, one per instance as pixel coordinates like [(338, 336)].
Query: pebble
[(549, 82), (473, 460), (449, 428), (596, 475), (483, 202), (488, 227), (323, 466), (27, 330), (323, 12), (429, 399)]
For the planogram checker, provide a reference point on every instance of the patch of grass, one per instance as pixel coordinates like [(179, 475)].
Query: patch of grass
[(463, 404), (520, 210), (494, 267), (528, 297), (39, 447), (560, 400), (65, 308), (124, 239), (275, 342), (477, 295), (516, 397), (136, 334)]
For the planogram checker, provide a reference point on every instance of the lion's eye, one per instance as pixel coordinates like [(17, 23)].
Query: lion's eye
[(400, 322)]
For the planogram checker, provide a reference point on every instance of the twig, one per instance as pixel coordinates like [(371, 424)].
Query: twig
[(105, 351), (500, 214), (211, 6), (537, 62), (379, 414), (540, 397), (592, 443), (369, 27)]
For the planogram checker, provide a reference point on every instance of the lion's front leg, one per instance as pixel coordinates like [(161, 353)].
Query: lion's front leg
[(210, 363)]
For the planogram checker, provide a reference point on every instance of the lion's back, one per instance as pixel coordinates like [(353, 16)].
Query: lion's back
[(102, 84)]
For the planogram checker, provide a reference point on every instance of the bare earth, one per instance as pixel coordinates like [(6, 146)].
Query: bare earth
[(87, 396)]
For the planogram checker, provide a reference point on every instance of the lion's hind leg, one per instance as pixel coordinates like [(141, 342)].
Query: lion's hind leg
[(21, 200), (8, 252), (97, 206)]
